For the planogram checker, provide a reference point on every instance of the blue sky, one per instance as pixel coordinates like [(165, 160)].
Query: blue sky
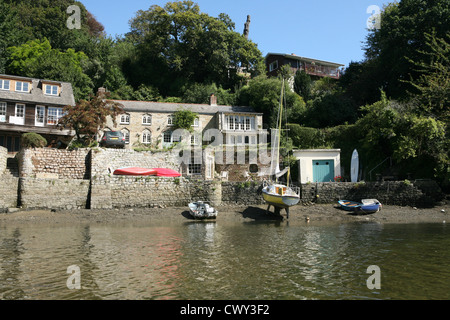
[(331, 30)]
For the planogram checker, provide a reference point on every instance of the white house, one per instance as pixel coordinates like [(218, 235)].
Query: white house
[(318, 165)]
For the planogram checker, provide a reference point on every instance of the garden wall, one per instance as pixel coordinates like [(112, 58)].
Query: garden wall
[(54, 163)]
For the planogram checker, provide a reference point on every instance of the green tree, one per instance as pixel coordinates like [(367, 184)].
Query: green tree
[(11, 35), (41, 19), (433, 86), (401, 38), (87, 117), (263, 94), (177, 44), (184, 119), (37, 59), (302, 84)]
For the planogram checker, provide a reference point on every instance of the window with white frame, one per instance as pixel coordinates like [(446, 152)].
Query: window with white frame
[(19, 115), (146, 137), (170, 120), (126, 135), (195, 139), (247, 124), (20, 110), (2, 111), (22, 86), (125, 119), (40, 114), (196, 122), (167, 137), (194, 168), (4, 84), (170, 138), (54, 114), (242, 123), (146, 119), (51, 90)]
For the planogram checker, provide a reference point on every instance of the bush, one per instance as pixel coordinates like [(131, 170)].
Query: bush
[(33, 140)]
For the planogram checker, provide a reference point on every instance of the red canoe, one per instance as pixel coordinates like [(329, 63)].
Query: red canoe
[(165, 172), (135, 171)]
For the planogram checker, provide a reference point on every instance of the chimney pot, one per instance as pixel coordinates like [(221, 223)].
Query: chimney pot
[(213, 100)]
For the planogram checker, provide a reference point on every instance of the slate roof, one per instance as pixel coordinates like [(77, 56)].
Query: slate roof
[(37, 96), (166, 107)]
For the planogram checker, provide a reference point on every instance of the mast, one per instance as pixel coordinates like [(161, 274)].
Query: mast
[(280, 113)]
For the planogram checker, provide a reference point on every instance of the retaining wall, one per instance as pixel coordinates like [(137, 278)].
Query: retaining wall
[(54, 163), (9, 187)]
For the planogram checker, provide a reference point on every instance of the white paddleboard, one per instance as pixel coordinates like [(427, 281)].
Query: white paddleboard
[(354, 166)]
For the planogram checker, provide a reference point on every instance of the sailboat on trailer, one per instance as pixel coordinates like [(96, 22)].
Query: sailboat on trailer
[(274, 193)]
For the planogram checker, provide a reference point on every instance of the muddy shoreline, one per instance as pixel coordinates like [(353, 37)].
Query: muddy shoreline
[(317, 213)]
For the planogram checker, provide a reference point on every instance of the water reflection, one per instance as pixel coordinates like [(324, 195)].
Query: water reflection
[(261, 259), (10, 271)]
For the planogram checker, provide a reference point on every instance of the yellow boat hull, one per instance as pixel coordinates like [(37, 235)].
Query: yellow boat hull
[(280, 201)]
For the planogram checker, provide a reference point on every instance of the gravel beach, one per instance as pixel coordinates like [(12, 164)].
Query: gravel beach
[(314, 213)]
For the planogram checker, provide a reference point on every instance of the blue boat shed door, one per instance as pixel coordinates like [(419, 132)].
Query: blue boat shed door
[(323, 170)]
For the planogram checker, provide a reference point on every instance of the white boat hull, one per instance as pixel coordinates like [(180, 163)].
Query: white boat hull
[(200, 210)]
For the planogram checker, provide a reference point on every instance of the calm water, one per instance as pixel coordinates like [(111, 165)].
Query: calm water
[(225, 260)]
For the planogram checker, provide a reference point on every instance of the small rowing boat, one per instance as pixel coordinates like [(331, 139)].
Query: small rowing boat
[(366, 206), (202, 210)]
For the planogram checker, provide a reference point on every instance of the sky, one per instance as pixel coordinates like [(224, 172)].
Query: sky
[(330, 30)]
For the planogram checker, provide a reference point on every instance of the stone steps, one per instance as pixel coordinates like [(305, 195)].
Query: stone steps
[(12, 167)]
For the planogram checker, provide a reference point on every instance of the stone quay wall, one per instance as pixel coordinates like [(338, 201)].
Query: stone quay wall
[(148, 192), (61, 179), (3, 159), (9, 187)]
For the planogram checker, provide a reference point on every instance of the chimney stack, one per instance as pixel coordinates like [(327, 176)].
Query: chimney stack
[(213, 100), (101, 91)]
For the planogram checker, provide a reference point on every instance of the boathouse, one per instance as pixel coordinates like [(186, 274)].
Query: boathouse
[(318, 165)]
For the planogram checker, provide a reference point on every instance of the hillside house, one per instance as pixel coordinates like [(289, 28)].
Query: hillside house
[(32, 105), (313, 67)]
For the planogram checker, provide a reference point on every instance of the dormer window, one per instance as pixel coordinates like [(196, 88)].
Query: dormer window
[(4, 84), (22, 86), (51, 90)]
